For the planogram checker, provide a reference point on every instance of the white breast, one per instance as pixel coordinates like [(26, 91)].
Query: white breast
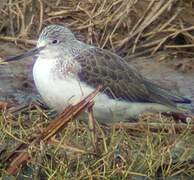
[(55, 91), (58, 93)]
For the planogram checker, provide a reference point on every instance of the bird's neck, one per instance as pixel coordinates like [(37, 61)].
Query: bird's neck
[(61, 61), (76, 47)]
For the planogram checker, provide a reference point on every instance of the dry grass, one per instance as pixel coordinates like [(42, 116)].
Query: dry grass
[(124, 152), (141, 150), (126, 26)]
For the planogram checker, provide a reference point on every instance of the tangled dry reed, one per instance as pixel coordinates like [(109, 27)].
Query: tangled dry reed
[(127, 26)]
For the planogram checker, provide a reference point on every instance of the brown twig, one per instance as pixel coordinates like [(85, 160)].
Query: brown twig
[(69, 147), (92, 128), (19, 157), (4, 104), (13, 39), (155, 127)]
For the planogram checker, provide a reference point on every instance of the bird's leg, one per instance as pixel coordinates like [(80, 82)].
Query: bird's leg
[(92, 127), (81, 90)]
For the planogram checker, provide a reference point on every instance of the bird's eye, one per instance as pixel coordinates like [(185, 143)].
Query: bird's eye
[(55, 41)]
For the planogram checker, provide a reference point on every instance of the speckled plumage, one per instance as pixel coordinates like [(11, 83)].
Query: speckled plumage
[(121, 81), (68, 63)]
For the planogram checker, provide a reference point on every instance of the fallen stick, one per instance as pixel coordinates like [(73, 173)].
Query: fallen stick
[(155, 127), (20, 156)]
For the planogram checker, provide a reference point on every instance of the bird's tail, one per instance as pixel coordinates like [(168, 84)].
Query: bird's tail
[(168, 96)]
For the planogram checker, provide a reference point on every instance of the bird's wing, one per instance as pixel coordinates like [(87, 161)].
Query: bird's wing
[(119, 79)]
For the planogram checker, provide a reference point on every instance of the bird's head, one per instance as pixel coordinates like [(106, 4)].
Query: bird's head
[(55, 35), (51, 39)]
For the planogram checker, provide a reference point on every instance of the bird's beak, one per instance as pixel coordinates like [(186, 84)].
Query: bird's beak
[(24, 55)]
